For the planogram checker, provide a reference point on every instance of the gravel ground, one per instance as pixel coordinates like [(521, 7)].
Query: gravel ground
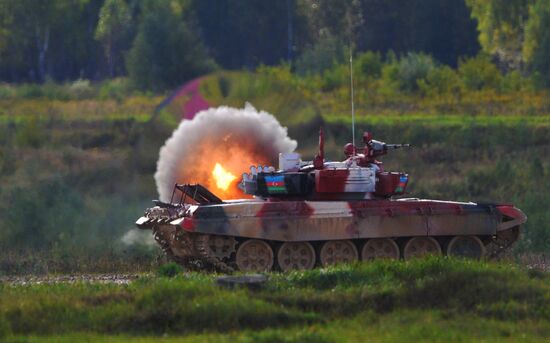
[(535, 261), (539, 262), (52, 279)]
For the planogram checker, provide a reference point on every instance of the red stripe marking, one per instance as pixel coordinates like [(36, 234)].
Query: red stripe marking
[(275, 184)]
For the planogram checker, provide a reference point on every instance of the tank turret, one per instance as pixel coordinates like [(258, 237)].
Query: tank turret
[(359, 176)]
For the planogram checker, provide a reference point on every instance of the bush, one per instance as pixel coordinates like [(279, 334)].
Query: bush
[(6, 91), (390, 84), (117, 88), (413, 68), (31, 134), (29, 91), (514, 82), (370, 64), (45, 216), (440, 81), (81, 89), (479, 73), (334, 78), (324, 55), (169, 270)]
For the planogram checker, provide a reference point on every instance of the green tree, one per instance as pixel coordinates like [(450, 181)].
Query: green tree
[(501, 26), (537, 41), (112, 31), (440, 28), (42, 39), (166, 52), (246, 33)]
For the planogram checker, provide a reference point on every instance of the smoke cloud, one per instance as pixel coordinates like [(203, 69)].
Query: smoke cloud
[(234, 138), (139, 237)]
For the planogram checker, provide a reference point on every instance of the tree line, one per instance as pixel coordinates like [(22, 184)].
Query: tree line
[(161, 43)]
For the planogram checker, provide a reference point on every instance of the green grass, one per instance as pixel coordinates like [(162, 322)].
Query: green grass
[(437, 299), (139, 108), (402, 326), (277, 96), (430, 120)]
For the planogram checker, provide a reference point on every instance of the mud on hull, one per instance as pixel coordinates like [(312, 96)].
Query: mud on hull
[(255, 235)]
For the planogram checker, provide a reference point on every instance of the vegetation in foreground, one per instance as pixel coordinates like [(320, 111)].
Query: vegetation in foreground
[(433, 299)]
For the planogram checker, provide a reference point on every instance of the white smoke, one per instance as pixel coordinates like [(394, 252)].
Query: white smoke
[(139, 237), (229, 130)]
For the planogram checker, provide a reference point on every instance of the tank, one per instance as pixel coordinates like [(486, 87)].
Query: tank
[(305, 214)]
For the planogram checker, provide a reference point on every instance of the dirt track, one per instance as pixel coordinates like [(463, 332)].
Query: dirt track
[(52, 279), (537, 262)]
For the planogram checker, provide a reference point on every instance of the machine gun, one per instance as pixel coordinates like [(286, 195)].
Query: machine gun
[(376, 148), (397, 146)]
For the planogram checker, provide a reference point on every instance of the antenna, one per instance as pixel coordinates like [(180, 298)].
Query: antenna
[(352, 104)]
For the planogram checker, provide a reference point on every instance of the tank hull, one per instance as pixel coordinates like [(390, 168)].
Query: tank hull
[(333, 220), (317, 222)]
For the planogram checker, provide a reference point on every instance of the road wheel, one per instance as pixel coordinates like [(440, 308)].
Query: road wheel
[(296, 255), (380, 248), (466, 246), (421, 246), (334, 252), (254, 256), (221, 246)]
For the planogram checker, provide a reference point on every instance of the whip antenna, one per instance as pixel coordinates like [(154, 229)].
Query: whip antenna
[(352, 104)]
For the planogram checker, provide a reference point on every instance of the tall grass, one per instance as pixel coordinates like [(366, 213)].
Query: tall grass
[(436, 288)]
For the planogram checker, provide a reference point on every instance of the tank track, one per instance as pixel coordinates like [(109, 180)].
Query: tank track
[(501, 243), (192, 250), (203, 251), (189, 250)]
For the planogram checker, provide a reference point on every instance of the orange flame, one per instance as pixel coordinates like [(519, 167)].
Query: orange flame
[(219, 165), (223, 177)]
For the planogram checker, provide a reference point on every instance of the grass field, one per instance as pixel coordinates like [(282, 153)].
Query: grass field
[(437, 299)]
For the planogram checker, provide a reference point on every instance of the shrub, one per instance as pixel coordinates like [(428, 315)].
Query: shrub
[(117, 88), (479, 73), (31, 134), (334, 78), (413, 68), (6, 91), (390, 79), (439, 81), (29, 91), (514, 82), (327, 53), (169, 269), (45, 216), (81, 89), (370, 64)]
